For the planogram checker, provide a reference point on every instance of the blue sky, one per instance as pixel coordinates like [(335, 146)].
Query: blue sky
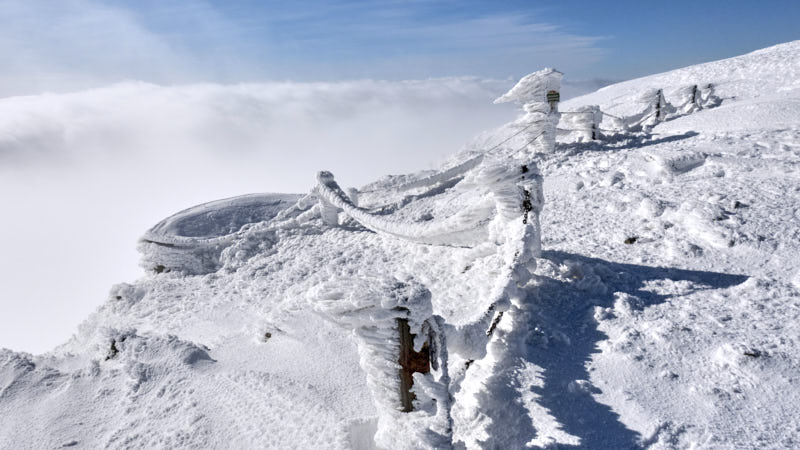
[(80, 43)]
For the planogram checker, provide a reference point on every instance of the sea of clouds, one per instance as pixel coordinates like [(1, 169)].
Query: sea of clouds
[(84, 174)]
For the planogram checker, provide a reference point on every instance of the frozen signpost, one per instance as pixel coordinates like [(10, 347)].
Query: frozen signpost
[(538, 93)]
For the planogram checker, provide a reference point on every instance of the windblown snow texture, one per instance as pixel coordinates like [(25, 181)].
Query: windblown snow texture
[(647, 296)]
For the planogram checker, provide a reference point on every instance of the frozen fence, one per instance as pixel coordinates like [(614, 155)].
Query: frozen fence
[(403, 353), (694, 98), (456, 230), (444, 175), (586, 121)]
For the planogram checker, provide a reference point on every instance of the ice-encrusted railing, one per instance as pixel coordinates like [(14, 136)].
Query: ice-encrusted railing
[(586, 120), (535, 93), (455, 230), (403, 345), (403, 352), (445, 175)]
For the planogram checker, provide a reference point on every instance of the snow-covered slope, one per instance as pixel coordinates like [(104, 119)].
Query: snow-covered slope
[(663, 311)]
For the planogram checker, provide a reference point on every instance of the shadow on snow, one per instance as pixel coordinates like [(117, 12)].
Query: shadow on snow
[(622, 141), (565, 337)]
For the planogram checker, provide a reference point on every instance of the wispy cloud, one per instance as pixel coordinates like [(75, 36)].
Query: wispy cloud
[(74, 44), (417, 39)]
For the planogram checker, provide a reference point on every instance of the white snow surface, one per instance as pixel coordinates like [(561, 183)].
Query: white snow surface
[(662, 312)]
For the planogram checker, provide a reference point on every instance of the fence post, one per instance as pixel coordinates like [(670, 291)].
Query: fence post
[(586, 120), (538, 93), (328, 211), (397, 337), (411, 362), (707, 97), (659, 104), (656, 110)]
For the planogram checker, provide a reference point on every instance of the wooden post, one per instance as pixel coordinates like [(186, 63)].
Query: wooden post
[(410, 362)]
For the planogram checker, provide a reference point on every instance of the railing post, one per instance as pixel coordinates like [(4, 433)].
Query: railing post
[(538, 93), (397, 337), (410, 362)]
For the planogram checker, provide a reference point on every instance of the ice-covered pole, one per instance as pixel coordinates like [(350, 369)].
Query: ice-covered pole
[(328, 211), (584, 120), (516, 186), (656, 111), (707, 97), (516, 183), (539, 94), (403, 353)]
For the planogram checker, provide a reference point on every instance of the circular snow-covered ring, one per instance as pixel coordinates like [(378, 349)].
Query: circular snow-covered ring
[(215, 221)]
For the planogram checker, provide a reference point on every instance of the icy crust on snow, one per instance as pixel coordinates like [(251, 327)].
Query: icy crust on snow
[(159, 391), (723, 387)]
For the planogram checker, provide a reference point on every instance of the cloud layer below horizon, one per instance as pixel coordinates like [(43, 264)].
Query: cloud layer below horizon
[(86, 168), (84, 174)]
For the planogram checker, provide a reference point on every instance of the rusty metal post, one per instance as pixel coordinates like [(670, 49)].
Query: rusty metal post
[(410, 362)]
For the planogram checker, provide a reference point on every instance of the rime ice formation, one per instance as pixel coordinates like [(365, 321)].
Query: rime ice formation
[(192, 240), (541, 115), (633, 290), (456, 230), (372, 308), (584, 122)]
